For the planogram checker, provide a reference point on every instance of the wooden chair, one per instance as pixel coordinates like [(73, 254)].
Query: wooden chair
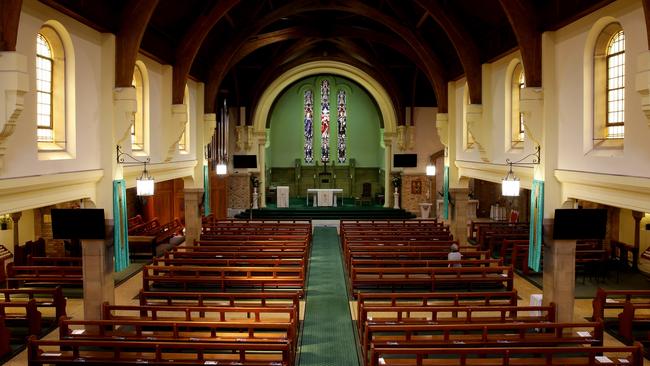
[(366, 193)]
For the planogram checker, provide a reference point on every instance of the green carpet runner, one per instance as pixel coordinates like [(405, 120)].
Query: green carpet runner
[(327, 334)]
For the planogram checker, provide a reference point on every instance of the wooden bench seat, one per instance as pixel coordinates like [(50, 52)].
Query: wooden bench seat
[(179, 331), (486, 335), (240, 299), (504, 298), (206, 252), (616, 299), (523, 356), (233, 238), (634, 316), (65, 352), (44, 298), (398, 263), (54, 261), (222, 278), (24, 314), (221, 262), (431, 277), (436, 314), (25, 276), (252, 314)]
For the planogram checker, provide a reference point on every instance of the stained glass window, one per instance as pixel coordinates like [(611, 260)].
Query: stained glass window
[(616, 86), (309, 126), (44, 68), (342, 124), (325, 121)]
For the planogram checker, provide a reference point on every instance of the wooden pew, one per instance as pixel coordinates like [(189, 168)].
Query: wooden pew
[(180, 331), (65, 352), (239, 299), (523, 356), (507, 335), (50, 276), (431, 277), (23, 314), (398, 263), (54, 261), (208, 252), (221, 262), (633, 316), (252, 314), (503, 298), (223, 278), (5, 338), (44, 298), (616, 299), (436, 314)]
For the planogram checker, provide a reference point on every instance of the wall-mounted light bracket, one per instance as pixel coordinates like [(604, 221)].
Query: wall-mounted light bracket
[(145, 183)]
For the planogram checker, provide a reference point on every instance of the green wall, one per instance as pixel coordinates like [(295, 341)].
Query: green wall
[(287, 124)]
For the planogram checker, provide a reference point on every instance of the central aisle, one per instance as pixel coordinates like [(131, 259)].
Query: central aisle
[(327, 334)]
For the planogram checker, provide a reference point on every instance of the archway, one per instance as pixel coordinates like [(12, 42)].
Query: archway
[(374, 89)]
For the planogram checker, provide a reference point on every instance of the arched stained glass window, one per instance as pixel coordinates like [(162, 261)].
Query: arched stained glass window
[(616, 86), (342, 125), (44, 90), (325, 120), (309, 126)]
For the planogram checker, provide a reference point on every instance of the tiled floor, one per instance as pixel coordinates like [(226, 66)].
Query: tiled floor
[(125, 293)]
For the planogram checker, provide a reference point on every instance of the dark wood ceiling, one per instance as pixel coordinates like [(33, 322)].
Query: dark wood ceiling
[(412, 46)]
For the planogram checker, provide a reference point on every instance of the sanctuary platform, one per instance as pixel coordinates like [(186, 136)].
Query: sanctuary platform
[(327, 213)]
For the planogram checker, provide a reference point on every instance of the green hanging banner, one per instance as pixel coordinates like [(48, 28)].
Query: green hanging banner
[(206, 191), (445, 193), (120, 230), (536, 219)]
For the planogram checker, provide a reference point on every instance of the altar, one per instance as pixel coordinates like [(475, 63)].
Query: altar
[(323, 197)]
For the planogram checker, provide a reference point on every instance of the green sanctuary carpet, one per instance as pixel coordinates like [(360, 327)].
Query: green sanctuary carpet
[(328, 331)]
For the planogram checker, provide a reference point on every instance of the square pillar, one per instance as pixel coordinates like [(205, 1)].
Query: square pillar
[(98, 282), (559, 273), (458, 225)]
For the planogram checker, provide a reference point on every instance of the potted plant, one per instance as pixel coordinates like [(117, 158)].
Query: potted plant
[(397, 181), (4, 222)]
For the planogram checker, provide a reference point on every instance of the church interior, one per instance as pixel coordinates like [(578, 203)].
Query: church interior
[(325, 182)]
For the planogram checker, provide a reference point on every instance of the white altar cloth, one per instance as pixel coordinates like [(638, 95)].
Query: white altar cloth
[(323, 196)]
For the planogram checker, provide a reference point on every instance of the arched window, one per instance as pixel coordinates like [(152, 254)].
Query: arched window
[(44, 90), (137, 129), (55, 97), (517, 118), (184, 142), (609, 87), (616, 86)]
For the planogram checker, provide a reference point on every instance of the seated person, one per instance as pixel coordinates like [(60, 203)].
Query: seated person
[(454, 255)]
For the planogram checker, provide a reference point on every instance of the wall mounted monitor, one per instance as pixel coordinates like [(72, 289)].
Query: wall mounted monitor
[(405, 160), (244, 161), (581, 223), (78, 223)]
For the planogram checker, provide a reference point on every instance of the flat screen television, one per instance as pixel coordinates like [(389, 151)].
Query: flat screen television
[(78, 223), (581, 223), (244, 161), (405, 160)]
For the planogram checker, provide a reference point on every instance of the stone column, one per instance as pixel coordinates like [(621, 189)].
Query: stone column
[(559, 273), (388, 164), (98, 283), (192, 198), (15, 217), (261, 156), (458, 226)]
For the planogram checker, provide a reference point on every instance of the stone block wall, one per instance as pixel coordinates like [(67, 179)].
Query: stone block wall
[(414, 191)]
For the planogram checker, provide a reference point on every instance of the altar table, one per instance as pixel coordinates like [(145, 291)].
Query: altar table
[(323, 196)]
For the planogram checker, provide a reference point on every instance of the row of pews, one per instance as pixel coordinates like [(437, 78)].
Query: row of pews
[(233, 297), (627, 312), (415, 308), (145, 237)]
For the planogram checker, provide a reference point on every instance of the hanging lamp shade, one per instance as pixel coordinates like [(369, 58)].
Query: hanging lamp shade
[(510, 185), (222, 169), (431, 170)]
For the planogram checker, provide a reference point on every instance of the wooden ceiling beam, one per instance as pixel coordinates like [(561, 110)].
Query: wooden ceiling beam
[(135, 17), (464, 44), (191, 42), (9, 17), (521, 16), (432, 66)]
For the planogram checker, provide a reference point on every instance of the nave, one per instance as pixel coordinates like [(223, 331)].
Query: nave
[(328, 324)]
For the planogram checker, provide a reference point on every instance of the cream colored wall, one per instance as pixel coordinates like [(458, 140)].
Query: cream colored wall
[(568, 88), (426, 143), (626, 229), (25, 231), (27, 182), (620, 181)]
